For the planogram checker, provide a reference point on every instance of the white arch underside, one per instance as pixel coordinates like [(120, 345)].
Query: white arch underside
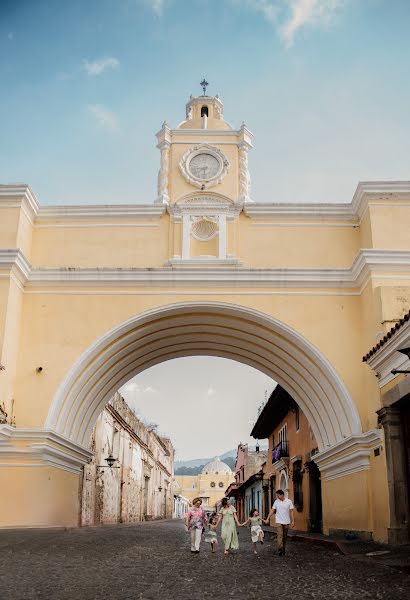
[(211, 329)]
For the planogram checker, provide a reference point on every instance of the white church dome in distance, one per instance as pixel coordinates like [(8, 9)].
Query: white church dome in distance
[(216, 467)]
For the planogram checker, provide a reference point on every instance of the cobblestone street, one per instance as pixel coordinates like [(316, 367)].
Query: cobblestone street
[(153, 560)]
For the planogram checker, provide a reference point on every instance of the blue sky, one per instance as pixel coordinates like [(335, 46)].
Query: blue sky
[(323, 85)]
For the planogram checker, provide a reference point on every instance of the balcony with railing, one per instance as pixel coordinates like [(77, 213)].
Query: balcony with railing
[(280, 451)]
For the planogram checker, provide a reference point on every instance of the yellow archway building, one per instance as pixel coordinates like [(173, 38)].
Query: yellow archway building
[(92, 295), (209, 485)]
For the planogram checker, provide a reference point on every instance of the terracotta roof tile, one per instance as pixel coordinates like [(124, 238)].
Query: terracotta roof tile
[(388, 335)]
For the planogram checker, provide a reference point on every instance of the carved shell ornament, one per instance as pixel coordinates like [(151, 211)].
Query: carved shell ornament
[(204, 228), (204, 166)]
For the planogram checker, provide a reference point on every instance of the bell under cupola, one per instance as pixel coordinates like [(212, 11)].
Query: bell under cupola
[(204, 112)]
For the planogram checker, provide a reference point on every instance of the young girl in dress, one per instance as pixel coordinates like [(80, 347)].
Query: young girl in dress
[(257, 534), (210, 535)]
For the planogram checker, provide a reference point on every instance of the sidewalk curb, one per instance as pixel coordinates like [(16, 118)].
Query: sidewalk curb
[(329, 543)]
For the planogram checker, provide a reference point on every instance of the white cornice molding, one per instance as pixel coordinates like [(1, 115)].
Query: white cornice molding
[(210, 272), (388, 357), (378, 190), (204, 133), (16, 196), (207, 262), (16, 263), (353, 211), (109, 211), (21, 195), (204, 203), (41, 448), (300, 211), (281, 464), (349, 456)]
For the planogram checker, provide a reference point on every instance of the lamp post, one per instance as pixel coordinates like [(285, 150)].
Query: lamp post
[(406, 352)]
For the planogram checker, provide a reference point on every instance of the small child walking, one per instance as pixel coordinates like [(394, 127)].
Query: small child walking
[(257, 534), (211, 536)]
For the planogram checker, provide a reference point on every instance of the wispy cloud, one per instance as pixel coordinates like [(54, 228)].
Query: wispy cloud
[(135, 388), (149, 389), (10, 35), (105, 117), (287, 17), (96, 67), (308, 12)]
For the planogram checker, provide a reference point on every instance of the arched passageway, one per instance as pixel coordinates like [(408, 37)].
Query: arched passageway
[(212, 329)]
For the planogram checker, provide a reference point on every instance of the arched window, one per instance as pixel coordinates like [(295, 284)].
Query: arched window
[(204, 111), (284, 483)]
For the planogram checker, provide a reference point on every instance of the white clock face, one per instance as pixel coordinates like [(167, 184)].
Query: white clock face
[(204, 166)]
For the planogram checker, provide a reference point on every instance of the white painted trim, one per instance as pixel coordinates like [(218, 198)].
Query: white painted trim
[(387, 193), (43, 447), (219, 142), (327, 224), (348, 456), (92, 225), (280, 465), (104, 212), (207, 262), (388, 357), (300, 211), (222, 237), (186, 237), (380, 190), (208, 133), (212, 273), (185, 292), (191, 153), (213, 329), (20, 195)]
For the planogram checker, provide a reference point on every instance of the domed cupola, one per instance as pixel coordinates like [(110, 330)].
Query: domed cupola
[(216, 467)]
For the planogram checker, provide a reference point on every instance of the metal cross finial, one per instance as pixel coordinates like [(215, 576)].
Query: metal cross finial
[(204, 85)]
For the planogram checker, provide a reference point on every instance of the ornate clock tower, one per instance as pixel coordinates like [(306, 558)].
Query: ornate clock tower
[(204, 181)]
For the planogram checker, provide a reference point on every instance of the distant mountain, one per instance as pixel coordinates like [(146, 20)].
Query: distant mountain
[(195, 465)]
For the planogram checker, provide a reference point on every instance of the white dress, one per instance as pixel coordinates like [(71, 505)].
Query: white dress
[(256, 528)]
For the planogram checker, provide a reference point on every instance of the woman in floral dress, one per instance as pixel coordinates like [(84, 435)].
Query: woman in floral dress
[(229, 535), (195, 523)]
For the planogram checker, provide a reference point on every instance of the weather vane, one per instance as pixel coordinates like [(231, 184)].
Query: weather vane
[(204, 85)]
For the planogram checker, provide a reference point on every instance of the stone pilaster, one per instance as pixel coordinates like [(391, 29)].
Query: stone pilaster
[(390, 418)]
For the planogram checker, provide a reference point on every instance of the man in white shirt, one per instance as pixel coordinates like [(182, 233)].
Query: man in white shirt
[(283, 510)]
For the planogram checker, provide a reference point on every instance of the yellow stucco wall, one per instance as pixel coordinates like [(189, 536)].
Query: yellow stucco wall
[(43, 496), (51, 323), (386, 220), (288, 244), (125, 243)]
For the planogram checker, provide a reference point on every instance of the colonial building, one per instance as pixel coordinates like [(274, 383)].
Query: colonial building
[(181, 504), (138, 484), (390, 361), (247, 488), (290, 462), (209, 485), (92, 295)]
